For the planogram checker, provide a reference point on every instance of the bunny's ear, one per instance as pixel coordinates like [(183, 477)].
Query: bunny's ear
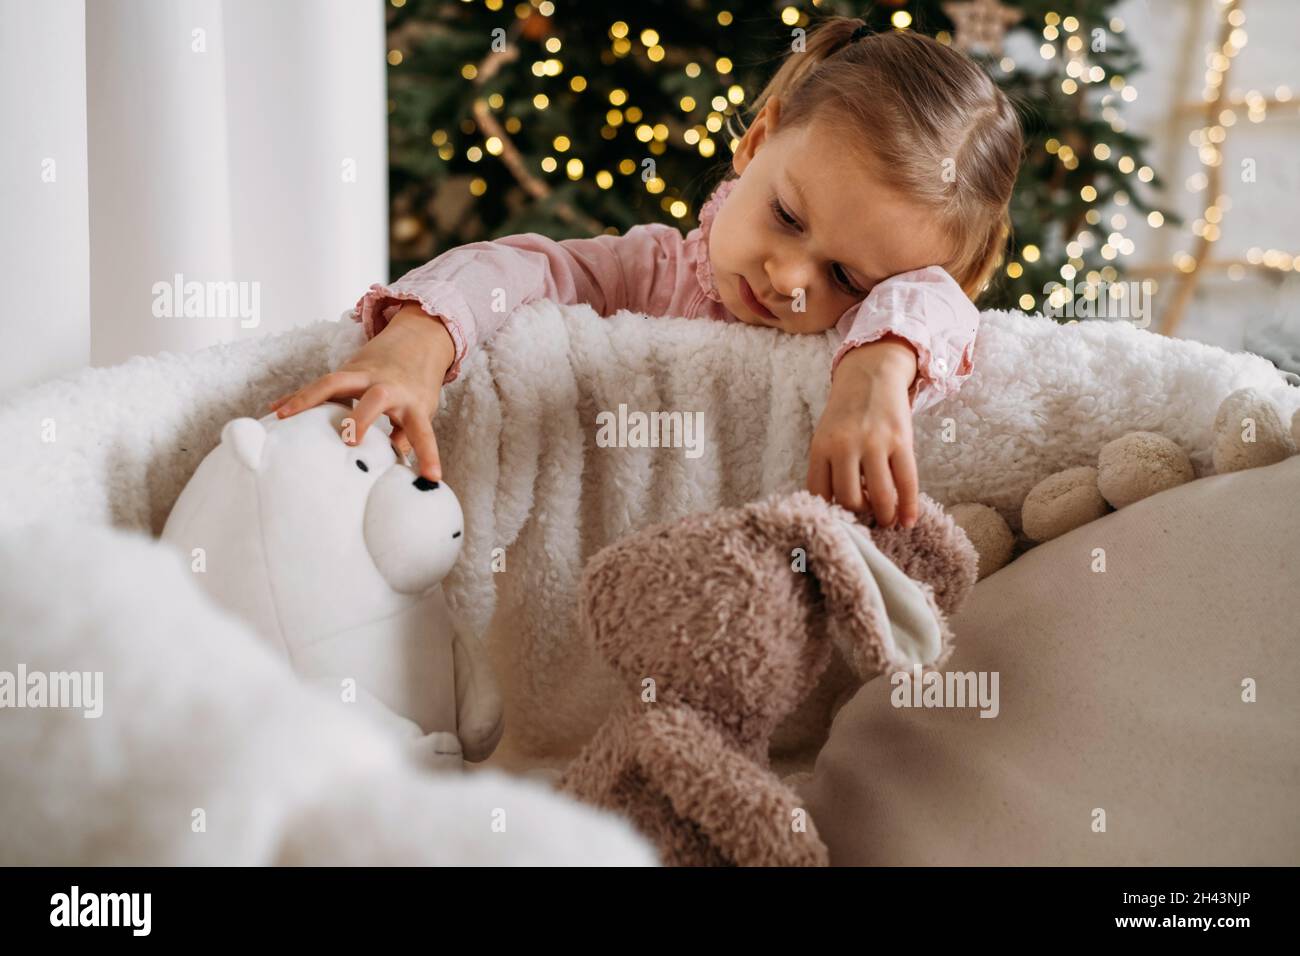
[(913, 631), (246, 438), (878, 618)]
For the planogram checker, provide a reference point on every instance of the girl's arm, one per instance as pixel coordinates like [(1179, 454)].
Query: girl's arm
[(907, 345), (473, 288), (436, 314), (928, 309)]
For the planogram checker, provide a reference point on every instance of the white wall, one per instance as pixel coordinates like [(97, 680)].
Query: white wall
[(1266, 213)]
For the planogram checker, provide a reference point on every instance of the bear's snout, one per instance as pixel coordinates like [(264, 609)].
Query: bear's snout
[(413, 538)]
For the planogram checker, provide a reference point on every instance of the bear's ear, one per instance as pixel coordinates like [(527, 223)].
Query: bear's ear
[(246, 437)]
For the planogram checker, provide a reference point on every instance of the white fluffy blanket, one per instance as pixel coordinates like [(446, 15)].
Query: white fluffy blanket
[(205, 750), (518, 437)]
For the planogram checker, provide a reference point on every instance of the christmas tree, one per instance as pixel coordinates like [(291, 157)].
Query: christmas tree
[(573, 119)]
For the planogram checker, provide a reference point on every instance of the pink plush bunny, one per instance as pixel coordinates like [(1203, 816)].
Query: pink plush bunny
[(722, 624)]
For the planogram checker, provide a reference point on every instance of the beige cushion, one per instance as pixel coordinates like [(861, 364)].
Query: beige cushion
[(1120, 690)]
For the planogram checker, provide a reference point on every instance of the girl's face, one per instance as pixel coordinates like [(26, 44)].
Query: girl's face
[(810, 230)]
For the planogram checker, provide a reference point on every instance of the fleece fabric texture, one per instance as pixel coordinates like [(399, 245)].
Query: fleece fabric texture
[(208, 751), (720, 625), (518, 434)]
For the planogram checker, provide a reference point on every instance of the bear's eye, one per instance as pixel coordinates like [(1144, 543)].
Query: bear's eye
[(362, 465)]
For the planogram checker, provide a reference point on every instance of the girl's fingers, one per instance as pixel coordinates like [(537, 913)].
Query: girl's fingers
[(400, 441), (846, 478), (426, 446), (880, 486), (278, 402), (819, 476), (373, 404), (904, 462), (334, 385)]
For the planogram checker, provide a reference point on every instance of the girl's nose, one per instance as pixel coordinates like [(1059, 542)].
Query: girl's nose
[(787, 278)]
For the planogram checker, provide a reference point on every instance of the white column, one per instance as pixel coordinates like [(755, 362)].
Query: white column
[(159, 184), (234, 142), (308, 128), (44, 239)]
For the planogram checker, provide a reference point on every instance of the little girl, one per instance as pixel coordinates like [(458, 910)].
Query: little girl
[(870, 202)]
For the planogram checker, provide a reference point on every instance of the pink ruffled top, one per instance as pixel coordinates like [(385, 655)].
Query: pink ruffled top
[(653, 269)]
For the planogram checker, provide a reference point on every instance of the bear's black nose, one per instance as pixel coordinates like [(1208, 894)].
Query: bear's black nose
[(424, 484)]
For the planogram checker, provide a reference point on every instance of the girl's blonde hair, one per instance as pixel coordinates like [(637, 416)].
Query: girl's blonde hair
[(922, 116)]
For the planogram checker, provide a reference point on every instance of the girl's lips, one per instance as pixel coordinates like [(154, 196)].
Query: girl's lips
[(751, 300)]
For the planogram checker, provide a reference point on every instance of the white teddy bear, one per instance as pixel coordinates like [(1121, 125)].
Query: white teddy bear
[(334, 554)]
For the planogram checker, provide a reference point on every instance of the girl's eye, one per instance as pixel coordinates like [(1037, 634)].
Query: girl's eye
[(848, 286), (782, 216)]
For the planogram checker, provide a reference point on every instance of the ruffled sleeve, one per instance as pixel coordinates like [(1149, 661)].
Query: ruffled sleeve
[(930, 311), (472, 289)]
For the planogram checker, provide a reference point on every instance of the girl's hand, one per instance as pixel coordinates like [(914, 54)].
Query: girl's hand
[(399, 373), (864, 437)]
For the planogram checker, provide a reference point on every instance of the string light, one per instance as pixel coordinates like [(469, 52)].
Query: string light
[(1063, 36)]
